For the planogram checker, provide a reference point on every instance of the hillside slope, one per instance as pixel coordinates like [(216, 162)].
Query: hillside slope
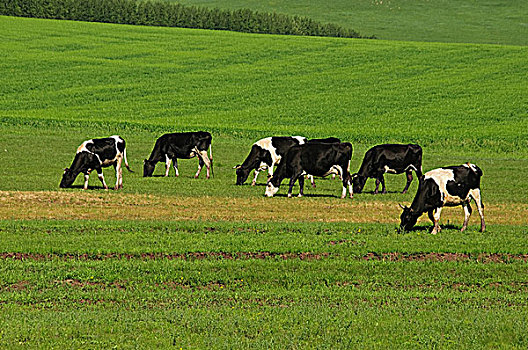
[(466, 21)]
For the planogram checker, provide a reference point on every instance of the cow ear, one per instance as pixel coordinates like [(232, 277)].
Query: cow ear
[(354, 175), (403, 206), (237, 166), (145, 161)]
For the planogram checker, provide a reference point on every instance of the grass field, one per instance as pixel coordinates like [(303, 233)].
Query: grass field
[(203, 263), (462, 21)]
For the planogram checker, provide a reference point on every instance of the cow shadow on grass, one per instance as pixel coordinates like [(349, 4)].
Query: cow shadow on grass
[(307, 195), (91, 188), (429, 228), (379, 193)]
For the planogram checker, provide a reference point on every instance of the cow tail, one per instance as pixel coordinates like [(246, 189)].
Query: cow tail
[(211, 158), (126, 161)]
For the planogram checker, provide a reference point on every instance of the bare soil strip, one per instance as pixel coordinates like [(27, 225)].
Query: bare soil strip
[(484, 258), (68, 205)]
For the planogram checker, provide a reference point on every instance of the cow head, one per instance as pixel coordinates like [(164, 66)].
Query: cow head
[(358, 182), (271, 189), (67, 178), (242, 174), (407, 218), (148, 168)]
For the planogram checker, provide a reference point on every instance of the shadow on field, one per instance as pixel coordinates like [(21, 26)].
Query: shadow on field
[(313, 195), (379, 193), (429, 228), (91, 188)]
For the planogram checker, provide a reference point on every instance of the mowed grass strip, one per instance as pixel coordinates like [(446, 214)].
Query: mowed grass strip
[(118, 206)]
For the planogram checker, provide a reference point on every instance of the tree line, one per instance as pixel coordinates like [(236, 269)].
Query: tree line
[(167, 14)]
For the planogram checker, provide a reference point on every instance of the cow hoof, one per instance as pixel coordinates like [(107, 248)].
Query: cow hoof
[(299, 195), (289, 195), (253, 183), (195, 176), (313, 186)]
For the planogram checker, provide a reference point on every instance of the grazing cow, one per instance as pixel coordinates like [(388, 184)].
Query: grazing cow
[(96, 154), (391, 158), (317, 159), (183, 145), (449, 186), (265, 154)]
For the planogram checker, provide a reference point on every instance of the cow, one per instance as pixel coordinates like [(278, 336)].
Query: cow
[(265, 154), (96, 154), (183, 145), (317, 159), (449, 186), (389, 158)]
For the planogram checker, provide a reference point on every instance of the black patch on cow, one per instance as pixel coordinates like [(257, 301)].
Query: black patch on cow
[(465, 179)]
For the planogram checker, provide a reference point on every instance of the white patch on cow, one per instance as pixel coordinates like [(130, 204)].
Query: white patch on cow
[(335, 170), (302, 140), (263, 166), (471, 166), (82, 147), (389, 170), (441, 177), (412, 167), (271, 190), (266, 145)]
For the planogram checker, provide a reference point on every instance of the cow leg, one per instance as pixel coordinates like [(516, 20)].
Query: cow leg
[(86, 177), (119, 174), (254, 182), (346, 183), (383, 189), (167, 165), (409, 180), (203, 159), (301, 186), (200, 166), (312, 180), (475, 194), (467, 214), (101, 178), (436, 219), (175, 166), (377, 185), (292, 182)]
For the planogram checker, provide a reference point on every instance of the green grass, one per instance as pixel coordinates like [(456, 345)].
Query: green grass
[(337, 299), (128, 283), (466, 21)]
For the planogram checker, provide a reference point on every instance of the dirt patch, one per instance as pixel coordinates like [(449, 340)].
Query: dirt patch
[(122, 206)]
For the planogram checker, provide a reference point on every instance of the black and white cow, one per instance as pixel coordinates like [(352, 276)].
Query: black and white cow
[(183, 145), (96, 154), (449, 186), (317, 159), (390, 158), (265, 154)]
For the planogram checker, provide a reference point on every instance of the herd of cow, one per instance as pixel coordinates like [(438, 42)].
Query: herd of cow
[(295, 158)]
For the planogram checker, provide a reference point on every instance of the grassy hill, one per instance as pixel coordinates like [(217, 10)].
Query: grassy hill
[(204, 263), (467, 21)]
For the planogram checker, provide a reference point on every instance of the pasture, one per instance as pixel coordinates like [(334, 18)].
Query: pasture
[(461, 21), (203, 263)]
